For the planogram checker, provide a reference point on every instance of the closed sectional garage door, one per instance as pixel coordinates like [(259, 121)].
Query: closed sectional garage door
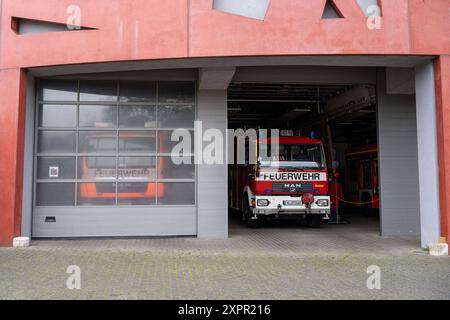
[(104, 162)]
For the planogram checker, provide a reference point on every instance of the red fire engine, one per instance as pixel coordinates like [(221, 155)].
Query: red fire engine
[(361, 185), (291, 184)]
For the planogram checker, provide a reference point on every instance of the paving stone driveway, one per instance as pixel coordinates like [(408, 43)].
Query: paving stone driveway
[(280, 261)]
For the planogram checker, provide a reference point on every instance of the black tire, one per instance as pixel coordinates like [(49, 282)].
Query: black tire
[(314, 221), (248, 218), (252, 223)]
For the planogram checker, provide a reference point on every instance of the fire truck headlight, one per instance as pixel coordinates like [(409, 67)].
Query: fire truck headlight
[(263, 203), (323, 202)]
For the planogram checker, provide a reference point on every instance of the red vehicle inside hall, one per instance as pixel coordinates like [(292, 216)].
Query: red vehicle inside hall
[(290, 184)]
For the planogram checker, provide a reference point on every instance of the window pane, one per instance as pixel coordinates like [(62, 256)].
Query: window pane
[(137, 116), (97, 194), (97, 142), (56, 168), (55, 194), (100, 91), (176, 92), (135, 168), (98, 116), (185, 143), (176, 193), (58, 90), (137, 91), (176, 116), (58, 116), (136, 194), (137, 142), (96, 168), (56, 142), (169, 168)]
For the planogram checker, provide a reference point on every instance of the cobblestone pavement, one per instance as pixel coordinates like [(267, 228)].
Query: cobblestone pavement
[(279, 261)]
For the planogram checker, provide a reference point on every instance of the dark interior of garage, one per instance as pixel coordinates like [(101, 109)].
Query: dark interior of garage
[(342, 117)]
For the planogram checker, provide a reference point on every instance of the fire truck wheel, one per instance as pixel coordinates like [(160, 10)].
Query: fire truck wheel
[(249, 222), (314, 221)]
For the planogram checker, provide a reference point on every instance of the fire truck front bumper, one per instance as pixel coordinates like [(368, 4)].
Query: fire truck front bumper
[(279, 205)]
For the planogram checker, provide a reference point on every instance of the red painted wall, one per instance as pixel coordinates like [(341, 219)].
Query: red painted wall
[(430, 26), (295, 27), (127, 30), (12, 125), (443, 129), (155, 29)]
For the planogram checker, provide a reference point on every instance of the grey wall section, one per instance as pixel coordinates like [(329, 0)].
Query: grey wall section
[(399, 179), (144, 75), (35, 27), (307, 75), (212, 179), (365, 4), (98, 222), (256, 9), (400, 80), (27, 203), (333, 61), (428, 154)]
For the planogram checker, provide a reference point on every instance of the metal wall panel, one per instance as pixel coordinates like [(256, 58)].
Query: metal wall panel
[(399, 179), (428, 154), (212, 179), (117, 222)]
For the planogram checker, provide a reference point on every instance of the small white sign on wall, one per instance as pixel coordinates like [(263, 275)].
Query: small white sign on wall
[(53, 172)]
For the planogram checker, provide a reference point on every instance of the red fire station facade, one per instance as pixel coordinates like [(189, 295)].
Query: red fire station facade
[(191, 50)]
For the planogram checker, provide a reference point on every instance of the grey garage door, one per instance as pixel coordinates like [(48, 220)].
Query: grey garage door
[(104, 162)]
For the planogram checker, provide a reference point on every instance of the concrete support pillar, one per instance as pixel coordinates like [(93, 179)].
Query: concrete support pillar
[(398, 163), (12, 128), (212, 113), (442, 77), (427, 154), (212, 178)]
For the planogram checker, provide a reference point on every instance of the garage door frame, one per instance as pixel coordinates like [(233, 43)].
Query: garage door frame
[(107, 221)]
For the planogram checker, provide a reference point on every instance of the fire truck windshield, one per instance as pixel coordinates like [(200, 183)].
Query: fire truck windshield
[(113, 165), (296, 156)]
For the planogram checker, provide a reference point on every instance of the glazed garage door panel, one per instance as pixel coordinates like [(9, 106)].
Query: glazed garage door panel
[(103, 159)]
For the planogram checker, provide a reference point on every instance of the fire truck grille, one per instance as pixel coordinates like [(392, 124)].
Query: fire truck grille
[(105, 188), (133, 187), (292, 187)]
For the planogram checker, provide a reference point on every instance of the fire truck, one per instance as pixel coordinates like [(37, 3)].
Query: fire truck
[(361, 181), (134, 169), (291, 184)]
